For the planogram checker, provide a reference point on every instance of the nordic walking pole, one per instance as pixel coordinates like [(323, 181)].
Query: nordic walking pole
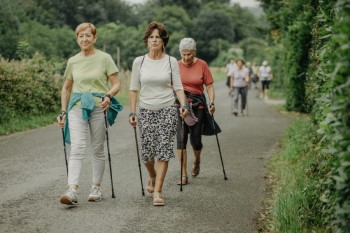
[(246, 101), (182, 149), (138, 158), (109, 154), (64, 143), (217, 140)]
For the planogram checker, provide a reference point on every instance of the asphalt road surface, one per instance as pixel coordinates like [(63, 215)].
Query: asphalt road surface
[(33, 177)]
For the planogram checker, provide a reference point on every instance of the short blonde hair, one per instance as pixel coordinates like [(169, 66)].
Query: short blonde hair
[(81, 27)]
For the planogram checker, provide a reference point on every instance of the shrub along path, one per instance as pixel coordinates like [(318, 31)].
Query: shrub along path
[(33, 177)]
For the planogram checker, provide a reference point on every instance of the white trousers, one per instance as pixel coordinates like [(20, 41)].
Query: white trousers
[(79, 139)]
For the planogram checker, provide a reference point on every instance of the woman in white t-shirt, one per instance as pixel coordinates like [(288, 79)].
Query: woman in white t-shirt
[(265, 75), (157, 76), (238, 85)]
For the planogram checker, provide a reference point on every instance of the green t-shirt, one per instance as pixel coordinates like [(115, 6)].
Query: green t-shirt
[(90, 74)]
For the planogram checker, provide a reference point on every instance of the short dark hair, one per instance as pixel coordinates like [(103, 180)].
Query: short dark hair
[(240, 59), (162, 32)]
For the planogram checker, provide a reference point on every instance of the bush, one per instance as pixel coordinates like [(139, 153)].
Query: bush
[(336, 126), (28, 87)]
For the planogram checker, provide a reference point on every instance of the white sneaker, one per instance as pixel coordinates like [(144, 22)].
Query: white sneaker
[(70, 197), (95, 194)]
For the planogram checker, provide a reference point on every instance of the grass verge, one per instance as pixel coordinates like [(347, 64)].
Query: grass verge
[(298, 180), (27, 122)]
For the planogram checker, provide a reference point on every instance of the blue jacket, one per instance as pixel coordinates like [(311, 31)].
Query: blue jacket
[(88, 105)]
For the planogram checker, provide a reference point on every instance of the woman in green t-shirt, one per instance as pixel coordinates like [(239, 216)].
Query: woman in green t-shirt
[(86, 87)]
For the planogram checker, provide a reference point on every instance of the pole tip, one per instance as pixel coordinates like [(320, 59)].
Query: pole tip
[(225, 178), (113, 196)]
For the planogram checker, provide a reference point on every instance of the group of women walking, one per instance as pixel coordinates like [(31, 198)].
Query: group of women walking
[(240, 76), (170, 92)]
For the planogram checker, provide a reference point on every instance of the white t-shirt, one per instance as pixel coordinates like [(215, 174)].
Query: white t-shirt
[(239, 77), (230, 68), (265, 73), (155, 81)]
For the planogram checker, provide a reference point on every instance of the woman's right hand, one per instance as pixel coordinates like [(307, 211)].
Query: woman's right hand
[(183, 112), (61, 119), (133, 121)]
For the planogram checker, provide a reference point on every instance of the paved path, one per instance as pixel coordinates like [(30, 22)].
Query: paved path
[(33, 177)]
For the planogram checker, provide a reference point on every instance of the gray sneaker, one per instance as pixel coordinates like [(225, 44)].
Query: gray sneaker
[(96, 194), (70, 197)]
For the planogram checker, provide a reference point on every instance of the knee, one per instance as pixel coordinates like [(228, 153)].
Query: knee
[(197, 146), (77, 152), (181, 146), (98, 151)]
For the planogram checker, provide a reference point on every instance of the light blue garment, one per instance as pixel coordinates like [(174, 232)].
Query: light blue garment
[(87, 107)]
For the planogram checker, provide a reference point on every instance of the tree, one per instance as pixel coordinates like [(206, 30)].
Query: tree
[(66, 12), (192, 7), (56, 42), (218, 20), (9, 29), (128, 39), (293, 21)]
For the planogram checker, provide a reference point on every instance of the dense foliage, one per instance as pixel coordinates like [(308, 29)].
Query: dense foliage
[(291, 23), (46, 26), (28, 87), (314, 36), (337, 123)]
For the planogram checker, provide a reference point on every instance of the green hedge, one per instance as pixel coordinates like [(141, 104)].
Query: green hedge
[(336, 126), (28, 87), (315, 38)]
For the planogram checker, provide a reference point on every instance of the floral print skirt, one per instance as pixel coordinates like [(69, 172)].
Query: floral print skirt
[(157, 133)]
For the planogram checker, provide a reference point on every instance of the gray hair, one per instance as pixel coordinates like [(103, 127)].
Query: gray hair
[(187, 44)]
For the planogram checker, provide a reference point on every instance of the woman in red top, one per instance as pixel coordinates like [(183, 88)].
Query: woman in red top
[(194, 74)]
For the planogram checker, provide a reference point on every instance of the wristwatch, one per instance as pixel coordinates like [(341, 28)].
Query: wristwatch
[(109, 96)]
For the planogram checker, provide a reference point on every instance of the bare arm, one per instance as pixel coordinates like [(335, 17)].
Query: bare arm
[(115, 83), (246, 78), (133, 119), (182, 99), (211, 96), (232, 80), (65, 95)]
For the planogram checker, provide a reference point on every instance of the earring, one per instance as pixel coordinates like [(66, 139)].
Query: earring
[(163, 48)]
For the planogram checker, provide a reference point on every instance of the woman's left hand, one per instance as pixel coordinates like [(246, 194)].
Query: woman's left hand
[(211, 109), (105, 102)]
